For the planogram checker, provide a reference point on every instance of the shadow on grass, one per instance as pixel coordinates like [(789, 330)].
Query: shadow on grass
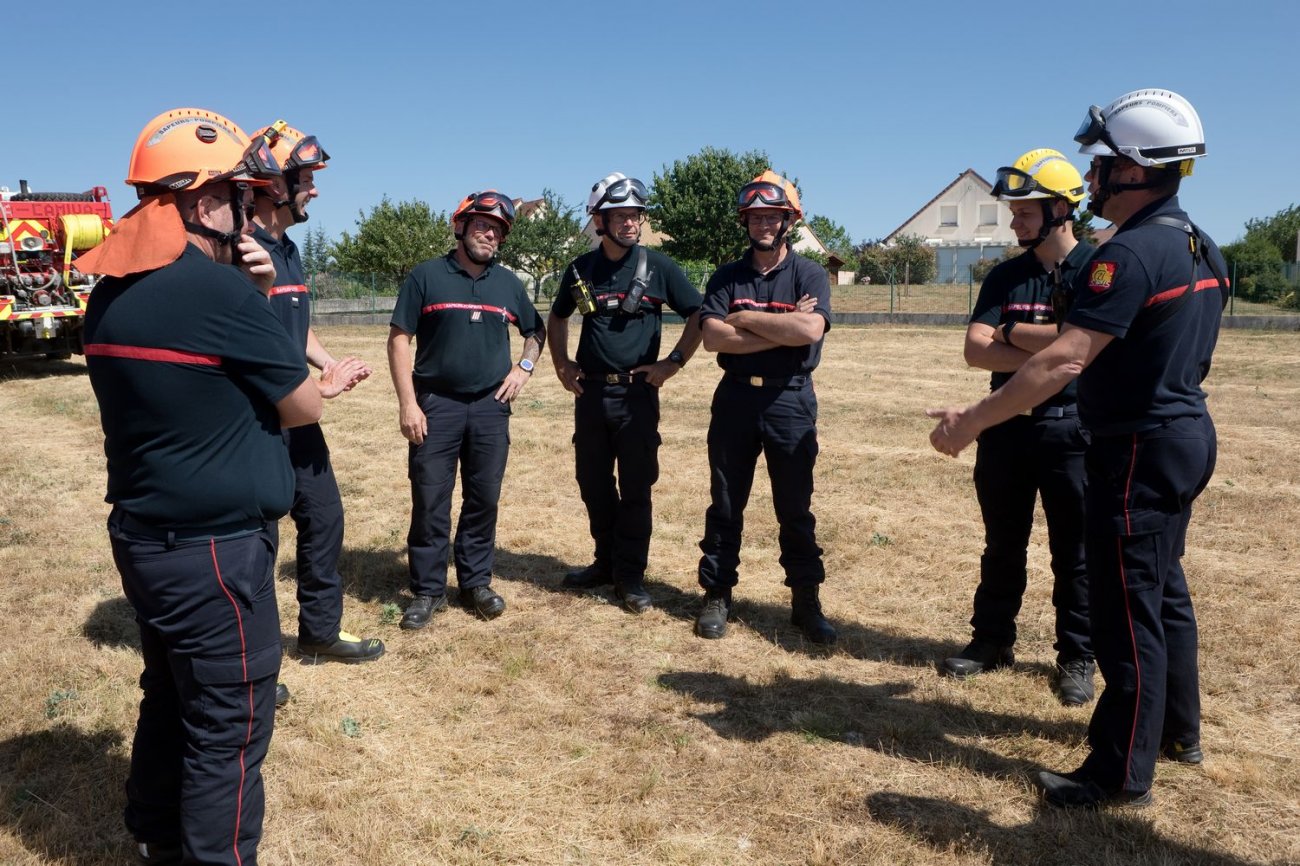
[(112, 624), (63, 799), (1051, 838), (39, 368), (880, 716)]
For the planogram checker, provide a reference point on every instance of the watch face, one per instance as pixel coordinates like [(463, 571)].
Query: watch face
[(527, 365)]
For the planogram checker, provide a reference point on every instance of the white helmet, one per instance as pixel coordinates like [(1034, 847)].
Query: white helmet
[(617, 190), (1150, 127)]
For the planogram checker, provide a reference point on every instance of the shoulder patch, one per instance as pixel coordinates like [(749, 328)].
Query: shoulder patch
[(1101, 275)]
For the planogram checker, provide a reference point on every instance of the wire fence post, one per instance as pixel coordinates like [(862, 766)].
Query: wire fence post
[(970, 288), (1232, 290)]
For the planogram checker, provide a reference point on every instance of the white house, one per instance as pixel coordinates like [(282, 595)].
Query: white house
[(964, 223)]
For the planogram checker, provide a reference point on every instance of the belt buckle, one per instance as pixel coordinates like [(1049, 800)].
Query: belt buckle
[(611, 378), (756, 381)]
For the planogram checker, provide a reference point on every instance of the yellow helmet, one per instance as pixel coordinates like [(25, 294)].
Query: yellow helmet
[(1040, 173)]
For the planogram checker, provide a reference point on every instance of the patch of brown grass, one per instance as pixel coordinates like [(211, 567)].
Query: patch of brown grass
[(569, 732)]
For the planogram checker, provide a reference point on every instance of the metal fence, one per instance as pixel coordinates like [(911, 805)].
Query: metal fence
[(1257, 290)]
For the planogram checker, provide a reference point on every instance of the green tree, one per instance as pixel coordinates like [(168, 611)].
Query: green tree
[(835, 237), (393, 239), (1257, 265), (542, 243), (1084, 231), (1280, 230), (914, 260), (694, 202), (315, 250)]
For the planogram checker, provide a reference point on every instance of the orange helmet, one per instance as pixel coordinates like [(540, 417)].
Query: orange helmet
[(769, 190), (187, 148), (489, 202)]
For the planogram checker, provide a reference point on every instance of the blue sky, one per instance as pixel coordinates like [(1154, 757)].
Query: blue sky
[(874, 111)]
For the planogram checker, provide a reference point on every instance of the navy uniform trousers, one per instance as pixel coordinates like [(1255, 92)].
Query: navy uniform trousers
[(1016, 461), (617, 424), (474, 431), (210, 639), (317, 512), (780, 423), (1140, 492)]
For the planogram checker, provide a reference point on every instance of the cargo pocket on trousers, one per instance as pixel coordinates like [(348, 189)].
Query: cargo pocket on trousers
[(1140, 534), (225, 702)]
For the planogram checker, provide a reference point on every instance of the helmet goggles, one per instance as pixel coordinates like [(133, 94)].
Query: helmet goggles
[(256, 167), (1014, 183), (621, 190), (492, 203), (763, 194), (307, 153), (1093, 130)]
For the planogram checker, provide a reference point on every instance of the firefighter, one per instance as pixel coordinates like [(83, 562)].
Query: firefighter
[(317, 510), (620, 289), (455, 407), (195, 378), (1039, 452), (1142, 331), (768, 345)]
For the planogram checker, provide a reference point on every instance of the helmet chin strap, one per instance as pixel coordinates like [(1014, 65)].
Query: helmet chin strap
[(1050, 221), (230, 238), (292, 183), (1107, 188), (604, 231), (776, 241)]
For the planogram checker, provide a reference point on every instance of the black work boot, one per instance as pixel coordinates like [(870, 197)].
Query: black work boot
[(711, 623), (1182, 753), (976, 657), (1073, 685), (421, 610), (593, 576), (634, 597), (806, 613)]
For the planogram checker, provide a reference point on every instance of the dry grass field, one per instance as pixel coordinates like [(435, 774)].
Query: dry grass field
[(570, 732)]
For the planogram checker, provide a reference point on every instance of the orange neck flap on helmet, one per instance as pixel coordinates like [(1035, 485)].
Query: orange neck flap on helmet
[(149, 237)]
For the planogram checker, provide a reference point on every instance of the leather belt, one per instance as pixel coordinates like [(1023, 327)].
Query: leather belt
[(789, 382), (618, 378), (1053, 411)]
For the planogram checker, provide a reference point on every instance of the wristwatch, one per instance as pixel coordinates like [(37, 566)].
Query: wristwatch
[(1006, 331), (527, 366), (677, 357)]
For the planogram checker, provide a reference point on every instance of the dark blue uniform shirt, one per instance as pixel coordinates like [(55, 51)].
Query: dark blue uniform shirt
[(1020, 290), (616, 342), (290, 297), (737, 286), (1153, 370), (187, 363), (461, 323)]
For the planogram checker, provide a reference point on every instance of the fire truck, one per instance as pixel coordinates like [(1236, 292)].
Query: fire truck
[(42, 294)]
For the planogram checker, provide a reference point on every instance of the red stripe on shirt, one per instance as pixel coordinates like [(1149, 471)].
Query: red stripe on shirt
[(289, 290), (768, 305), (1170, 294), (149, 353), (482, 308)]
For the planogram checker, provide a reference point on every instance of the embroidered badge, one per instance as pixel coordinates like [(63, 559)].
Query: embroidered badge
[(1101, 276), (476, 316)]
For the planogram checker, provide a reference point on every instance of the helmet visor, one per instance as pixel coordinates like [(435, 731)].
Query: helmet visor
[(762, 194), (621, 190)]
